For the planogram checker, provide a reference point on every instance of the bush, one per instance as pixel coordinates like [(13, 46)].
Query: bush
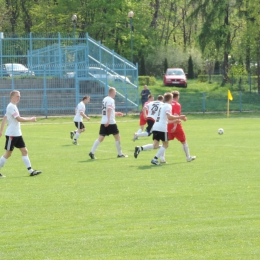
[(214, 78), (202, 78), (146, 80)]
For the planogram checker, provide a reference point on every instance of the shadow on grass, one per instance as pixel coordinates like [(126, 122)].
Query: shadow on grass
[(95, 160), (146, 167)]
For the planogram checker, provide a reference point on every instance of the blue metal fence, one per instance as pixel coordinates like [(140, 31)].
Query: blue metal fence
[(60, 70)]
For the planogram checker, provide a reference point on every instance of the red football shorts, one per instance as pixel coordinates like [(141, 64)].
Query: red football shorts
[(142, 119), (178, 134)]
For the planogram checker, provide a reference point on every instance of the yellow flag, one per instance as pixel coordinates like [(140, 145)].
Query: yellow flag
[(229, 95)]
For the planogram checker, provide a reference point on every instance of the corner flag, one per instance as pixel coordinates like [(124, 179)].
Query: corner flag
[(229, 95)]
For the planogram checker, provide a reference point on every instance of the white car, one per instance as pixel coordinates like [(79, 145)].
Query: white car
[(99, 73), (15, 69)]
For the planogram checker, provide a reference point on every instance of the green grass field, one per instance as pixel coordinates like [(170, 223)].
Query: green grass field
[(113, 208)]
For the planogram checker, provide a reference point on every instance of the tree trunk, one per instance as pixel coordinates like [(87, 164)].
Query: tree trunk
[(155, 14), (227, 46), (258, 67)]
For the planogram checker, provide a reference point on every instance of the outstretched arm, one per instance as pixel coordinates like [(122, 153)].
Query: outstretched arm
[(173, 117), (26, 119), (119, 114), (84, 115)]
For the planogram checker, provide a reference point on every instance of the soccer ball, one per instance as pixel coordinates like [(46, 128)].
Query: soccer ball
[(220, 131)]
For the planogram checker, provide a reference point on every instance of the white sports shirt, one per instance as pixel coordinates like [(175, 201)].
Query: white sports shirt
[(162, 120), (80, 108), (153, 108), (13, 126), (108, 103)]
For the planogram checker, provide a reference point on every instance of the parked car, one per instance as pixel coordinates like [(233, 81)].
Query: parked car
[(175, 77), (98, 73), (15, 69)]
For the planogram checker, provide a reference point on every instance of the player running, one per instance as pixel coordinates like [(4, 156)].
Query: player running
[(160, 127), (108, 124), (154, 115), (150, 110), (175, 130), (143, 117), (13, 133), (78, 119)]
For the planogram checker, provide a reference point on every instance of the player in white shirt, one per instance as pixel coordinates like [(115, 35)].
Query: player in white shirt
[(160, 132), (108, 124), (150, 111), (78, 119), (160, 125), (13, 133)]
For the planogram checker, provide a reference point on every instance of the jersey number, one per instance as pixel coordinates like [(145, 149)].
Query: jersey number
[(104, 108), (158, 117), (154, 108)]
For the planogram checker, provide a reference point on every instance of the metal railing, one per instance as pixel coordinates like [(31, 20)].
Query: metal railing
[(64, 68)]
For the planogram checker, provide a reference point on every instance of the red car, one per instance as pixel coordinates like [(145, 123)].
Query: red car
[(175, 77)]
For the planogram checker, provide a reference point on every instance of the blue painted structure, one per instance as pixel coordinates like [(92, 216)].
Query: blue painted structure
[(64, 70)]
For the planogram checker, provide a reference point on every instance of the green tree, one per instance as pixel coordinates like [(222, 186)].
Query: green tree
[(165, 65), (190, 68), (217, 30)]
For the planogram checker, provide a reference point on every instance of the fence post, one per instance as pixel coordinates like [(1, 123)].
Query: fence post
[(60, 58), (45, 94), (240, 101), (113, 60), (249, 81), (1, 53), (87, 51), (30, 56), (12, 81), (203, 102), (137, 85), (100, 53), (126, 104), (4, 105)]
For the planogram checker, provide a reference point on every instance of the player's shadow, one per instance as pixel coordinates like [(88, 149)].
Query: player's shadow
[(91, 160), (146, 167)]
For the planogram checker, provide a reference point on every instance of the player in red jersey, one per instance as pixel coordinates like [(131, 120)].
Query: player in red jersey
[(175, 130), (143, 119)]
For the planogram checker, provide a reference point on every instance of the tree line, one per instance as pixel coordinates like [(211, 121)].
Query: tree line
[(164, 32)]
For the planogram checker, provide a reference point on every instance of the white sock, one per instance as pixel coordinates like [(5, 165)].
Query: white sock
[(27, 163), (162, 158), (186, 150), (95, 145), (160, 152), (139, 131), (118, 147), (76, 136), (142, 134), (2, 161), (147, 147)]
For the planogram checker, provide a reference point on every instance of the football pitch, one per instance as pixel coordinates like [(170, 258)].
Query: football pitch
[(127, 208)]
